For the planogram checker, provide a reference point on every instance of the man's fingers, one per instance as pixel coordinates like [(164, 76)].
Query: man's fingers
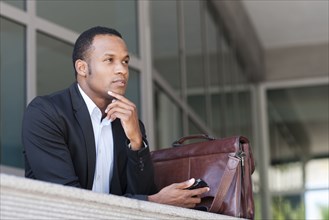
[(127, 111), (185, 184), (197, 192), (121, 103), (119, 110), (115, 95), (191, 202), (120, 106), (120, 97)]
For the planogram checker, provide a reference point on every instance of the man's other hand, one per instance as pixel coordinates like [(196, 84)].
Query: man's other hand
[(177, 195)]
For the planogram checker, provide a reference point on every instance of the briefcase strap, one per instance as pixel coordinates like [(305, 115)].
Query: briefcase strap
[(225, 183)]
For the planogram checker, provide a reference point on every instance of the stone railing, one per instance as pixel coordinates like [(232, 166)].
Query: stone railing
[(22, 198)]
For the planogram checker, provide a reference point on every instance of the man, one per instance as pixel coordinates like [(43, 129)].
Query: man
[(89, 134)]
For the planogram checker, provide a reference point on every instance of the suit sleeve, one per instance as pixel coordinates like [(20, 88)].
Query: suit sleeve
[(140, 174), (47, 156)]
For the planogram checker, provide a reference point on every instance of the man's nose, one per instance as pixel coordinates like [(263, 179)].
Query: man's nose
[(120, 68)]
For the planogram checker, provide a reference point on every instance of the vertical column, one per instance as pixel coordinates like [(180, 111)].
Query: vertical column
[(31, 69), (182, 61), (222, 79), (261, 139), (146, 81), (206, 62)]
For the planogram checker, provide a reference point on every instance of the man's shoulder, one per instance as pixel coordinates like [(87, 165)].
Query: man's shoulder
[(56, 99)]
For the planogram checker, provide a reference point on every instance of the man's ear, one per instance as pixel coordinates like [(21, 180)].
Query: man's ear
[(81, 67)]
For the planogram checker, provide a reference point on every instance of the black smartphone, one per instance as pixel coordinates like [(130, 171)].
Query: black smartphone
[(199, 183)]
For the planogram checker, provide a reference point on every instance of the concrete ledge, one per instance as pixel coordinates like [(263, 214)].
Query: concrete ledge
[(22, 198)]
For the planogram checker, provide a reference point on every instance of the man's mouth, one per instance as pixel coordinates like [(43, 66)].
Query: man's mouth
[(120, 82)]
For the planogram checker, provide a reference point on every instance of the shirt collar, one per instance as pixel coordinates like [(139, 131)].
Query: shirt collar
[(90, 104)]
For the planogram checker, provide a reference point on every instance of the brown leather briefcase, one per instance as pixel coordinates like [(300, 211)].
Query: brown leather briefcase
[(224, 164)]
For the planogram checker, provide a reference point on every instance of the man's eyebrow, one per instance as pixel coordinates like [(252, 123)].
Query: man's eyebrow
[(111, 54), (108, 54)]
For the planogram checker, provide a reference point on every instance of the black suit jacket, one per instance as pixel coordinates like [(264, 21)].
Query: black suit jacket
[(59, 147)]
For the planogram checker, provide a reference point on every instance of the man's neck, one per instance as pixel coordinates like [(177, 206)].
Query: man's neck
[(101, 103)]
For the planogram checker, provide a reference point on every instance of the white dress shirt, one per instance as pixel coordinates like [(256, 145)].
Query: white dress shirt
[(104, 146)]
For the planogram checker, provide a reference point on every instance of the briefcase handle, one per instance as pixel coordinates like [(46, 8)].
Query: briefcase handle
[(196, 136)]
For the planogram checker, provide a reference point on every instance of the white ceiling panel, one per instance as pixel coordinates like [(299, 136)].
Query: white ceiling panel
[(281, 23)]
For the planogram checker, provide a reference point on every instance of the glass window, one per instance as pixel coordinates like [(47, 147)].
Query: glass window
[(225, 115), (298, 120), (298, 127), (17, 3), (80, 15), (195, 75), (317, 184), (241, 100), (225, 87), (217, 115), (12, 68), (288, 207), (317, 174), (232, 95), (245, 114), (230, 120), (212, 49), (225, 63), (317, 204), (281, 174), (194, 128), (168, 119), (197, 103), (165, 42), (54, 64)]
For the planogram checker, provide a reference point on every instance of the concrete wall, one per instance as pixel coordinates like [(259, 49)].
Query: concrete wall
[(23, 198), (297, 62)]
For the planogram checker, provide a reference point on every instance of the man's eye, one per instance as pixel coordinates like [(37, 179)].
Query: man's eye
[(126, 61), (109, 59)]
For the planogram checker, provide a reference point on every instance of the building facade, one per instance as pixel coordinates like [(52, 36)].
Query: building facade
[(193, 70)]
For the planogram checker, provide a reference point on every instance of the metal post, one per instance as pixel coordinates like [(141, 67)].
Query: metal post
[(261, 137)]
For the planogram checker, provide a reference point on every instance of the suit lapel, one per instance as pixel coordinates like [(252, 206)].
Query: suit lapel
[(83, 118), (117, 136)]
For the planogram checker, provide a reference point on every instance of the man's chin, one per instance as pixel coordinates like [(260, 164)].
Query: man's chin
[(118, 91)]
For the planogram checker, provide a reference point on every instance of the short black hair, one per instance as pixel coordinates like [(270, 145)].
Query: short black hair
[(85, 40)]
